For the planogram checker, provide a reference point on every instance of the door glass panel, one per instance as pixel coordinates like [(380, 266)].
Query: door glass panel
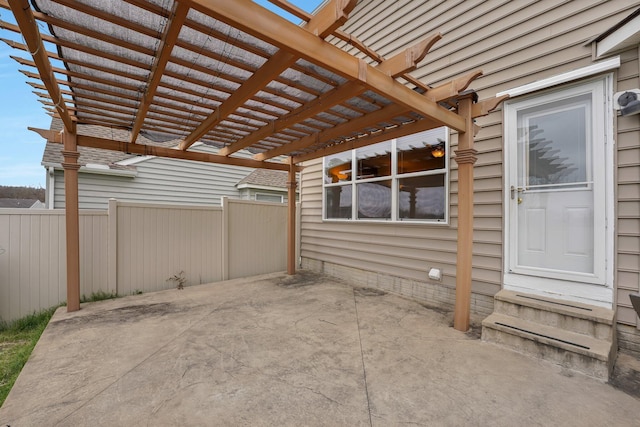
[(554, 198), (555, 145)]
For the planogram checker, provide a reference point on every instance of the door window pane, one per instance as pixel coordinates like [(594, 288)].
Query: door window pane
[(555, 142)]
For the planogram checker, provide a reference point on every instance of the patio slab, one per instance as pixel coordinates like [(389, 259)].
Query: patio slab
[(279, 350)]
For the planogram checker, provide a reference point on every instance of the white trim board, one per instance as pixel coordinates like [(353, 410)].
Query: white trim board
[(624, 37), (580, 73)]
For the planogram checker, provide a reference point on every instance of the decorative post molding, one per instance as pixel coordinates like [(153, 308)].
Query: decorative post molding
[(465, 157), (72, 217), (291, 220)]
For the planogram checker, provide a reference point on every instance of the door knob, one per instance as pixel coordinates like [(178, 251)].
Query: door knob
[(519, 200)]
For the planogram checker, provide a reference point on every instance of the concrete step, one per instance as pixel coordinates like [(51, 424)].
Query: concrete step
[(586, 354), (593, 321)]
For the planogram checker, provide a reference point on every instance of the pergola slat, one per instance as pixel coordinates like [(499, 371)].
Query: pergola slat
[(253, 19), (333, 14), (166, 46)]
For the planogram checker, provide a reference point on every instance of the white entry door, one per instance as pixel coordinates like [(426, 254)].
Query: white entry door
[(555, 198)]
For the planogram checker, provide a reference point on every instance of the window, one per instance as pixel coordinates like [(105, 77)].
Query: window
[(404, 179), (264, 197)]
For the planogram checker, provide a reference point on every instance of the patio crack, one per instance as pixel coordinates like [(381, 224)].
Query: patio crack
[(364, 369)]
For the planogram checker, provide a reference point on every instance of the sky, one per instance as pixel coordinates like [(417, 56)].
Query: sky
[(21, 151)]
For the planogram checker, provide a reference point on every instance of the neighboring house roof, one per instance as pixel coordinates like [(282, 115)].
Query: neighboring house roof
[(264, 178), (20, 203), (52, 155)]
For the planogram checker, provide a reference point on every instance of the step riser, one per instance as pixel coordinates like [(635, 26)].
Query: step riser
[(558, 320), (574, 361)]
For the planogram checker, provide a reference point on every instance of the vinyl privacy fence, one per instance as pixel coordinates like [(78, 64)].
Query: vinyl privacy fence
[(134, 247)]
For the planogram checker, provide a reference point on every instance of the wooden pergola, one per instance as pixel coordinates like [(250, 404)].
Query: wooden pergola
[(236, 76)]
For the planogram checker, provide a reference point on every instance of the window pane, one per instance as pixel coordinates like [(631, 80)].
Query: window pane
[(269, 197), (422, 197), (338, 201), (374, 200), (422, 151), (337, 168), (374, 160)]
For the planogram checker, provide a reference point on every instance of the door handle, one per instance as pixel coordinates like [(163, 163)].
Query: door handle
[(513, 193)]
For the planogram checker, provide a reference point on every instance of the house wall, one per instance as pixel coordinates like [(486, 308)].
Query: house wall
[(514, 43), (158, 180), (628, 208)]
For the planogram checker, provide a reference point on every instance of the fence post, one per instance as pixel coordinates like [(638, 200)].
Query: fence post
[(224, 202), (112, 248)]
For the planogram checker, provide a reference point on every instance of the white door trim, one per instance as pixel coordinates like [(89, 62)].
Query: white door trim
[(599, 294)]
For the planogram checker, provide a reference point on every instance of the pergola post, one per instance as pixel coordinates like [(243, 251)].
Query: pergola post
[(291, 220), (465, 157), (71, 166)]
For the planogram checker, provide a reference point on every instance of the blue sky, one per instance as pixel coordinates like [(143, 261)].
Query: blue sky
[(21, 149)]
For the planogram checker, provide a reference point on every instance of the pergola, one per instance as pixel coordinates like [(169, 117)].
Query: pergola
[(236, 76)]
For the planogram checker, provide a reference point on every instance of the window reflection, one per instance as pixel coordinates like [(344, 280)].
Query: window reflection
[(374, 161), (422, 197), (374, 200), (338, 202), (337, 168), (421, 152)]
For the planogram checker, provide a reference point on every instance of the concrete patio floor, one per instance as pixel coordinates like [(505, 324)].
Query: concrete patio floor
[(301, 350)]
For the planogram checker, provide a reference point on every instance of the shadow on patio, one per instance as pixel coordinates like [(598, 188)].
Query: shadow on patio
[(280, 350)]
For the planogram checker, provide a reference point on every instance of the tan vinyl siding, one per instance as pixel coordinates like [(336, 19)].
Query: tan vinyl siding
[(628, 203), (514, 43)]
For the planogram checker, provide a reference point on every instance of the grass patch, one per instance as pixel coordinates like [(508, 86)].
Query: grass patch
[(99, 296), (17, 340)]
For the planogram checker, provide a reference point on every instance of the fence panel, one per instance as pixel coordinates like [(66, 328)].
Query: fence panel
[(257, 241), (33, 272), (134, 248), (157, 242)]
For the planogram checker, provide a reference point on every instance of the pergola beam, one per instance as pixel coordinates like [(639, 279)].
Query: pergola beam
[(332, 15), (167, 43), (254, 19), (24, 17), (440, 93), (154, 150), (404, 61)]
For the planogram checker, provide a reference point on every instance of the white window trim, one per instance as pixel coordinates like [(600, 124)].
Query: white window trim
[(394, 177), (580, 73)]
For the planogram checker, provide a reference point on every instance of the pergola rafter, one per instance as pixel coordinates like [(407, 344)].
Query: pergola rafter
[(236, 76)]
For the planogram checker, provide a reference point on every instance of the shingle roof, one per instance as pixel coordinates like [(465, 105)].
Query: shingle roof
[(17, 203), (266, 177)]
